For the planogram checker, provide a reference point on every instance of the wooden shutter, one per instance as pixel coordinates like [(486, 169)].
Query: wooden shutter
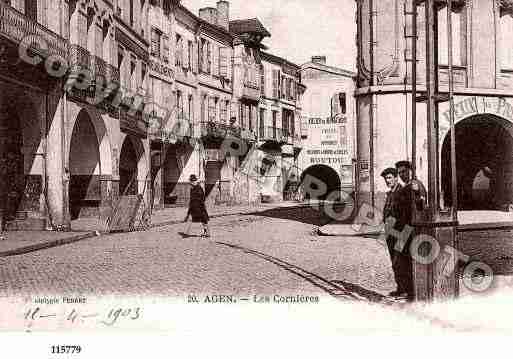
[(209, 58), (165, 48), (155, 43), (276, 75), (215, 60), (195, 57), (262, 80), (223, 62), (199, 46)]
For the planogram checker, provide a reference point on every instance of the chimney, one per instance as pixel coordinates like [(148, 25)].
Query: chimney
[(223, 14), (208, 14), (319, 60)]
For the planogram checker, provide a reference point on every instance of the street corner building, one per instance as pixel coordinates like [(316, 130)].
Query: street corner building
[(328, 130), (101, 99), (483, 89)]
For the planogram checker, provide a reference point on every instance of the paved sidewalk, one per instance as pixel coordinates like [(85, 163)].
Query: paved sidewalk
[(20, 242), (176, 215)]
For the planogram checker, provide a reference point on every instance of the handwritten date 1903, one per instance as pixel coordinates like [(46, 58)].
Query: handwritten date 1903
[(116, 314)]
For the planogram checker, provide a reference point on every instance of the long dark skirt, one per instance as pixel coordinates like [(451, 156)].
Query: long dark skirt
[(197, 208)]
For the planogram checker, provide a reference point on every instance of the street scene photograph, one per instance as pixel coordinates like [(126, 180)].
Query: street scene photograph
[(343, 164)]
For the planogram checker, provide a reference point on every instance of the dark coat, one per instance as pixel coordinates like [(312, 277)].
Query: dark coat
[(197, 209), (410, 198), (394, 206)]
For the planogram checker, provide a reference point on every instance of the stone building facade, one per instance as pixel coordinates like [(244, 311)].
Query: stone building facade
[(329, 125), (483, 98), (104, 98)]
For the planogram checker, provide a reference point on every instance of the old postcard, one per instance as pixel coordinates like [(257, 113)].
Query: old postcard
[(335, 167)]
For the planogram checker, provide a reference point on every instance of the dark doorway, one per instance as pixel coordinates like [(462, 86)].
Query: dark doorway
[(484, 163), (128, 161), (84, 166), (324, 174), (12, 172)]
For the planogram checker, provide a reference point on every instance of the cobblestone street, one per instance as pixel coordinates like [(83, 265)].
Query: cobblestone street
[(247, 254)]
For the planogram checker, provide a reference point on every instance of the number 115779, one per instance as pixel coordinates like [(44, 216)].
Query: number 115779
[(66, 349)]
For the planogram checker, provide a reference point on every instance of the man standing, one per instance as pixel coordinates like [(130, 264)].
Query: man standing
[(413, 196), (394, 204)]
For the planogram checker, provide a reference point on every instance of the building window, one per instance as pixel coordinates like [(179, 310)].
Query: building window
[(457, 50), (262, 80), (155, 42), (283, 87), (276, 84), (203, 108), (190, 49), (223, 62), (190, 108), (179, 104), (209, 58), (143, 75), (165, 48), (211, 109), (506, 46), (31, 9), (179, 51), (223, 115), (133, 73), (202, 57), (131, 10), (262, 123)]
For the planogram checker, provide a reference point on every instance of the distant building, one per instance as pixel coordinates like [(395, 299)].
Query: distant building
[(328, 126)]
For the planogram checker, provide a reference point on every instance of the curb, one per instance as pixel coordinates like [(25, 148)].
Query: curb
[(169, 223), (91, 234), (45, 245)]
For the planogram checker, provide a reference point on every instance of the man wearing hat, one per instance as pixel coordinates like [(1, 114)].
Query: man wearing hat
[(394, 204), (413, 194), (197, 209)]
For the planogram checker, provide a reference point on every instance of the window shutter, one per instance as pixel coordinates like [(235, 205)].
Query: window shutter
[(262, 80), (165, 48), (155, 43), (335, 105), (215, 60), (223, 62), (199, 47), (209, 58), (195, 57), (275, 84)]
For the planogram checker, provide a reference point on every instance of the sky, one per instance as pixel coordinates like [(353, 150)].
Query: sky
[(300, 29)]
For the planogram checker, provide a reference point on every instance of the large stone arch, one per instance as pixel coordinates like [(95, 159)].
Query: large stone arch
[(484, 162), (326, 175), (133, 149), (88, 162), (103, 136)]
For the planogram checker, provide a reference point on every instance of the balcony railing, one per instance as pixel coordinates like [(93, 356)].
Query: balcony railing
[(16, 26), (81, 59), (251, 90), (219, 130), (273, 134)]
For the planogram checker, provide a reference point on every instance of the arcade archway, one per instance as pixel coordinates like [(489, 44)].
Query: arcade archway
[(324, 174), (128, 173), (11, 162), (484, 148), (84, 168)]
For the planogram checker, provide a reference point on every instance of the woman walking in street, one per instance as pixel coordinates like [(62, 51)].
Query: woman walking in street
[(197, 209)]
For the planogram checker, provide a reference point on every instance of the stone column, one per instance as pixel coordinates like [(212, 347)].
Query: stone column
[(57, 176), (3, 134)]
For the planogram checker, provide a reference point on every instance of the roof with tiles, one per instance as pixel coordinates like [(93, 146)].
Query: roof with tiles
[(248, 26)]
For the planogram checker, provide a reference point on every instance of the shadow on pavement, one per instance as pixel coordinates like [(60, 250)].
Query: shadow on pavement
[(337, 289), (314, 214)]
